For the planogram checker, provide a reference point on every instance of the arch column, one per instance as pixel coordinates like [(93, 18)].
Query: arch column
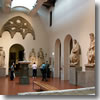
[(17, 52), (67, 50), (57, 61)]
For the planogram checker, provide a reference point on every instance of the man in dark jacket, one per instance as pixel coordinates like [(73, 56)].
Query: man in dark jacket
[(44, 71)]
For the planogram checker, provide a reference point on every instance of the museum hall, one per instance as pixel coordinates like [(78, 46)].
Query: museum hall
[(47, 47)]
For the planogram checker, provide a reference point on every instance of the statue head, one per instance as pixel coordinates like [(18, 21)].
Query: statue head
[(75, 41), (91, 36)]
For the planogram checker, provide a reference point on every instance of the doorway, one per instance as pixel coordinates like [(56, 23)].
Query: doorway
[(57, 63), (68, 45), (16, 53)]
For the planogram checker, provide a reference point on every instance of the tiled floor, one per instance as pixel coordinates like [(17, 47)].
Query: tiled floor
[(8, 87)]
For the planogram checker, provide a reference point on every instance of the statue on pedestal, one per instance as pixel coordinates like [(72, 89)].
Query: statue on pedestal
[(74, 56), (32, 56), (2, 57), (40, 57), (91, 50)]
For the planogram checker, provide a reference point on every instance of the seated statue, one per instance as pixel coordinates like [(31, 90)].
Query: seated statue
[(40, 57), (91, 50), (32, 56), (74, 56), (2, 57), (40, 54)]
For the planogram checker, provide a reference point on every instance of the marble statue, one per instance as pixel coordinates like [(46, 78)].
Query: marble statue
[(91, 50), (2, 57), (40, 57), (74, 56), (32, 56)]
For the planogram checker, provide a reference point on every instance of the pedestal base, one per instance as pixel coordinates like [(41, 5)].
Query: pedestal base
[(73, 74), (86, 79), (90, 67), (24, 75), (2, 72), (24, 80)]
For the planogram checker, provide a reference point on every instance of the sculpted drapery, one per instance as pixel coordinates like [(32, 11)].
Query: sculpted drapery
[(2, 57), (74, 56), (91, 50), (32, 56)]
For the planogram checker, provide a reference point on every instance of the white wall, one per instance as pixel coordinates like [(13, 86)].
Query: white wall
[(74, 17), (28, 43)]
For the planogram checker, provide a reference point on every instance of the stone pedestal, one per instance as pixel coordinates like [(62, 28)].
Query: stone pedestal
[(87, 78), (24, 75), (30, 72), (90, 67), (73, 74), (2, 72)]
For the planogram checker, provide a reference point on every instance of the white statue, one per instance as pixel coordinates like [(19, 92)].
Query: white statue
[(2, 57), (91, 50), (32, 56), (40, 57), (74, 56)]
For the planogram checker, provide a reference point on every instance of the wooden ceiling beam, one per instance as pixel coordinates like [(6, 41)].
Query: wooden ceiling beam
[(49, 3)]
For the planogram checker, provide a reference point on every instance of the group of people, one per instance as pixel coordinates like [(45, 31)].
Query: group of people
[(45, 71)]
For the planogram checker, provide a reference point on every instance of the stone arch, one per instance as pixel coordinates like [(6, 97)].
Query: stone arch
[(18, 24), (16, 53), (67, 49), (57, 63)]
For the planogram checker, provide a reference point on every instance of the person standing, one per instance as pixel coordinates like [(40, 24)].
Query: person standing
[(12, 72), (47, 69), (43, 70), (34, 67)]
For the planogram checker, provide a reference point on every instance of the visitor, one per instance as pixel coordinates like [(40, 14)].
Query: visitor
[(12, 74), (34, 67), (43, 71), (47, 69)]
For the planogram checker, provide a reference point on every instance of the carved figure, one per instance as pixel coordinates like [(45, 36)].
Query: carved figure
[(40, 57), (91, 50), (32, 56), (2, 57), (74, 56)]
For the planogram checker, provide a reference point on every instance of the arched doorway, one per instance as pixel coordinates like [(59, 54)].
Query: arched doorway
[(68, 44), (57, 63), (16, 53)]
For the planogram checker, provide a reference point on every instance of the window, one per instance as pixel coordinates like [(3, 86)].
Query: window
[(24, 3)]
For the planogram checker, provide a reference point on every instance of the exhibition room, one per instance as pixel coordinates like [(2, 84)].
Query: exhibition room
[(47, 47)]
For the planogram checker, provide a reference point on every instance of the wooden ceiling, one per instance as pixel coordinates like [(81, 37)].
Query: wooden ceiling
[(49, 3)]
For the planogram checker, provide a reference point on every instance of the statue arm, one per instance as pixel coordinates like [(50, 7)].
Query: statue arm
[(76, 49)]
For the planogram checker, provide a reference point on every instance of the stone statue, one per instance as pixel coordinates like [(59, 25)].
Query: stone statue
[(32, 56), (40, 57), (91, 50), (2, 57), (74, 56)]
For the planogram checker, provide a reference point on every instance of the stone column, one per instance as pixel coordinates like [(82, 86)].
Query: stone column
[(24, 75)]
